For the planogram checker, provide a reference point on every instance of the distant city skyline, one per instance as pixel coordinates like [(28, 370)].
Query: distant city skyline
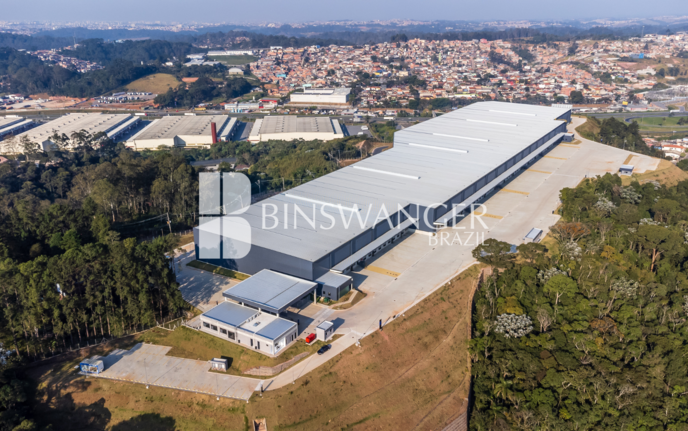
[(295, 11)]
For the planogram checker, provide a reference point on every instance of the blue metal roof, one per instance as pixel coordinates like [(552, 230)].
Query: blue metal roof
[(270, 290), (230, 313), (333, 279), (276, 328)]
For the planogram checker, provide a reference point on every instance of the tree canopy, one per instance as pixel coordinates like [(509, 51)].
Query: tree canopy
[(591, 334)]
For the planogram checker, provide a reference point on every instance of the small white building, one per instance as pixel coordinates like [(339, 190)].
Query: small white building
[(324, 331), (252, 328)]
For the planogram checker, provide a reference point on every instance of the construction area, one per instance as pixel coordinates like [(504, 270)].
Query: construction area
[(185, 131)]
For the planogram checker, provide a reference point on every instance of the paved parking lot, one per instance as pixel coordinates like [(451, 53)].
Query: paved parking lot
[(149, 365)]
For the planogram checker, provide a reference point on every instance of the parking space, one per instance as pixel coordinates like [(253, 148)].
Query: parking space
[(150, 365), (202, 289)]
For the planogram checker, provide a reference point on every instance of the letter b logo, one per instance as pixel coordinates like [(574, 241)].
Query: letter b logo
[(221, 195)]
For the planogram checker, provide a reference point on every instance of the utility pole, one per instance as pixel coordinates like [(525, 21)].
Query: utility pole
[(169, 223)]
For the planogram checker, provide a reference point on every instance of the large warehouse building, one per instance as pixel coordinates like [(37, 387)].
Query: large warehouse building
[(114, 125), (289, 127), (186, 131), (322, 97), (435, 171), (13, 125)]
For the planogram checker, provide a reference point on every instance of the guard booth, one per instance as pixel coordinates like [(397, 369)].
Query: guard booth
[(324, 331), (218, 364), (535, 235), (92, 365), (626, 169)]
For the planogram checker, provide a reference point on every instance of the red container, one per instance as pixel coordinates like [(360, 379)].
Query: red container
[(310, 338)]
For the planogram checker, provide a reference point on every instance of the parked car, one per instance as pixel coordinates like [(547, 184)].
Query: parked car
[(364, 127), (310, 338), (324, 349)]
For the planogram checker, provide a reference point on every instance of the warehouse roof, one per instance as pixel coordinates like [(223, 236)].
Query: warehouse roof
[(276, 328), (8, 121), (183, 125), (230, 313), (271, 291), (430, 163), (293, 124), (70, 123), (326, 91)]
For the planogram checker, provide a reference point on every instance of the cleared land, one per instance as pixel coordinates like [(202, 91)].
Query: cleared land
[(234, 60), (157, 83), (414, 374), (666, 173)]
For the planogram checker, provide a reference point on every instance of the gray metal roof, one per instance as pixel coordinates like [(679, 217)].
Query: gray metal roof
[(70, 123), (276, 329), (325, 325), (8, 121), (430, 163), (293, 124), (182, 125), (230, 313), (270, 290), (333, 279)]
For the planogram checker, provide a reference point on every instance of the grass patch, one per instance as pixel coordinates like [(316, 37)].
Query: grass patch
[(659, 124), (156, 83), (359, 297), (589, 129), (402, 378), (666, 173), (218, 270)]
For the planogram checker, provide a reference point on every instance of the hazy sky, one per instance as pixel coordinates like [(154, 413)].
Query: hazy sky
[(312, 10)]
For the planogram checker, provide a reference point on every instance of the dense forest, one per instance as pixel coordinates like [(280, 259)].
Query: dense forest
[(590, 334), (146, 51), (277, 164), (29, 75)]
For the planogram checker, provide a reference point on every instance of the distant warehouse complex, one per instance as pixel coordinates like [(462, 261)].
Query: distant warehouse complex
[(428, 180), (113, 125), (187, 131), (285, 127), (13, 125), (322, 97)]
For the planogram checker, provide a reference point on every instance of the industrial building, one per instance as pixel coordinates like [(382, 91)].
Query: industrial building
[(187, 131), (322, 97), (287, 128), (113, 125), (429, 180), (13, 125), (252, 317)]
